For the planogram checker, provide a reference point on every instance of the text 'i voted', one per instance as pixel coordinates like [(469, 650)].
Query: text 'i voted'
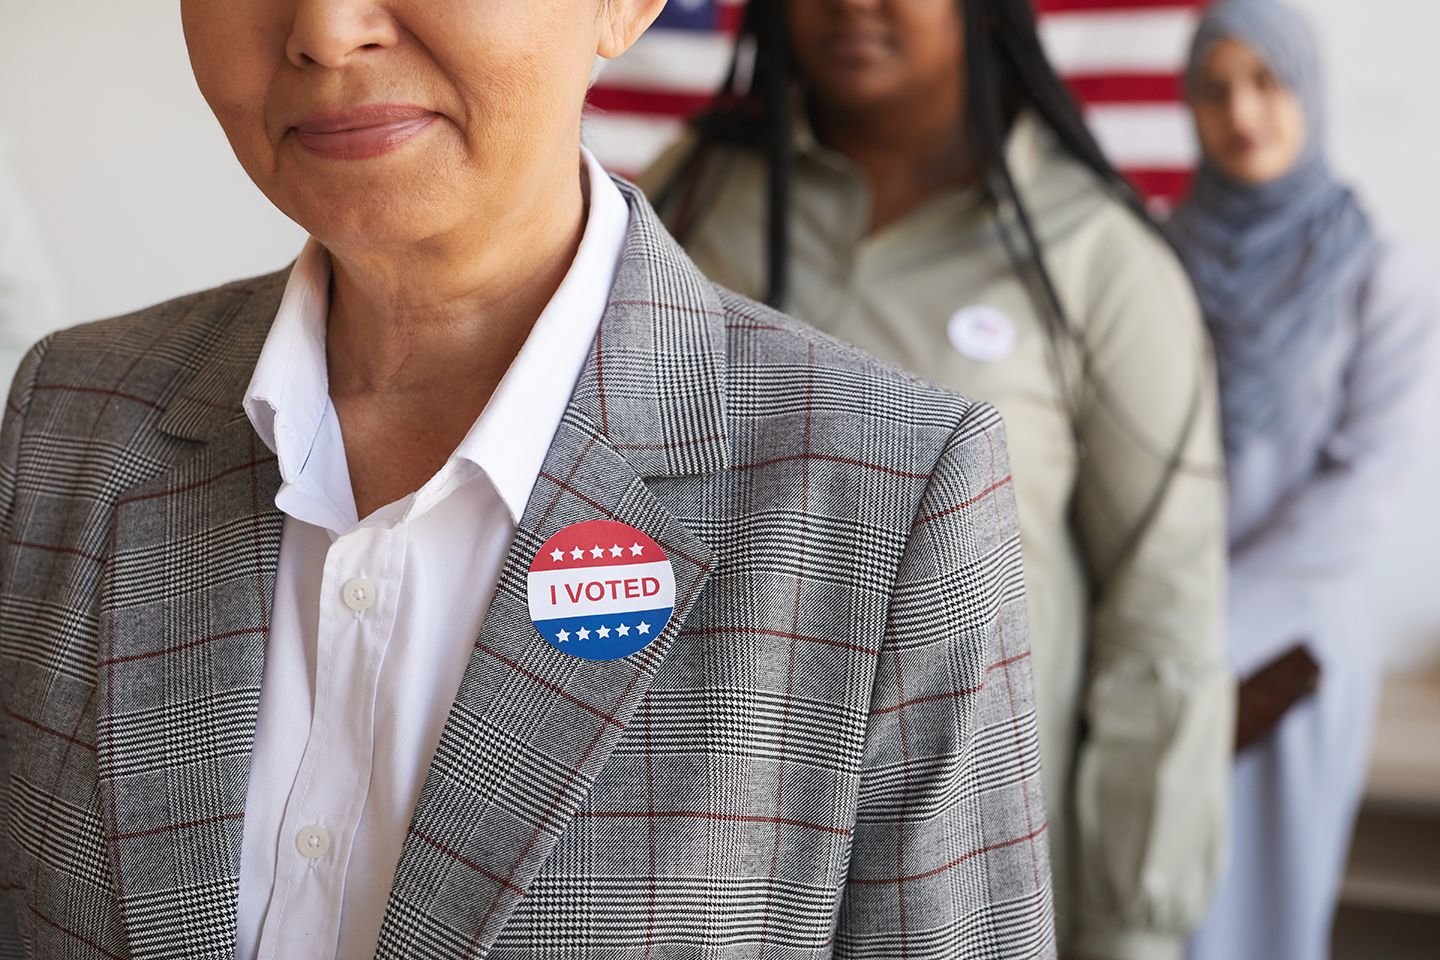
[(601, 590)]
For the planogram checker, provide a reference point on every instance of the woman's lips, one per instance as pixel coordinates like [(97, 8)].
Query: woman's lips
[(856, 45), (362, 133)]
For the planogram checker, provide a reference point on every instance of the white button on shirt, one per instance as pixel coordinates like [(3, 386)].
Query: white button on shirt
[(375, 619), (359, 595)]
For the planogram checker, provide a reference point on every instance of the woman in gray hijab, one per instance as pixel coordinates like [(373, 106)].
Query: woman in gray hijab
[(1320, 329)]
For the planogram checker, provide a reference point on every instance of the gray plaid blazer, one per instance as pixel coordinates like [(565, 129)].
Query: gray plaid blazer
[(830, 751)]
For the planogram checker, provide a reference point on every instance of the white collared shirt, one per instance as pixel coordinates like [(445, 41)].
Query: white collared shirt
[(375, 619)]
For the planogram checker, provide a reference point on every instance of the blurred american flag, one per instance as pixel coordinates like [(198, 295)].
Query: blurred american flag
[(1122, 57)]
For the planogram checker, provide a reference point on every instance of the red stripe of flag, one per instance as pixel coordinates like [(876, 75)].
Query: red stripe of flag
[(729, 16), (1107, 88), (1111, 89), (650, 103), (1161, 183), (1043, 7)]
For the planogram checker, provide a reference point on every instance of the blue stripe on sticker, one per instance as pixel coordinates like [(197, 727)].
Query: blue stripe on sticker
[(605, 636)]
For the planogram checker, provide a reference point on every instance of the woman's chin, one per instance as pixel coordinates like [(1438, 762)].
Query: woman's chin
[(385, 204), (1256, 168)]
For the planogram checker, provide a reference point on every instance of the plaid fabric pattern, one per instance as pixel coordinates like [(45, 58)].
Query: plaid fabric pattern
[(830, 751)]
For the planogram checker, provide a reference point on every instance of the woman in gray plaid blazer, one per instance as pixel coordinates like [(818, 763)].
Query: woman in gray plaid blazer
[(830, 750)]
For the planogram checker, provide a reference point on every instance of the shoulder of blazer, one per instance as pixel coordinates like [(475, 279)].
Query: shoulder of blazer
[(769, 352), (182, 333), (778, 379), (137, 363), (107, 395)]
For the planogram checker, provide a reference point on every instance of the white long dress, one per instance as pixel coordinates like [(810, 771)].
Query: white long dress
[(1305, 508)]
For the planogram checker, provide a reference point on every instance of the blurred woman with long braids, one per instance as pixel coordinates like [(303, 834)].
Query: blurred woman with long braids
[(1323, 330), (912, 176)]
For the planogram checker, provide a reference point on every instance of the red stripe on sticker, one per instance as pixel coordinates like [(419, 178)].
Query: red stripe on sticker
[(596, 543)]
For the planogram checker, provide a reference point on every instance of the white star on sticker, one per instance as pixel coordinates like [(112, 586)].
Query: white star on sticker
[(563, 636), (557, 555), (597, 552), (644, 628), (578, 554), (636, 550), (623, 630), (603, 633), (617, 551), (582, 634)]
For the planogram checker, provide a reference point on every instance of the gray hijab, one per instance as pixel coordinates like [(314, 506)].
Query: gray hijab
[(1271, 262)]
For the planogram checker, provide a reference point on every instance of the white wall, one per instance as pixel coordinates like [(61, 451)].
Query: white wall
[(1385, 136), (129, 178), (138, 198)]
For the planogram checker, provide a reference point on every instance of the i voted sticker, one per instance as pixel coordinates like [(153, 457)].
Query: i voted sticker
[(982, 333), (601, 590)]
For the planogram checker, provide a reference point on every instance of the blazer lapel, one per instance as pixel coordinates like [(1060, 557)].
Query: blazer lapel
[(184, 618), (532, 726)]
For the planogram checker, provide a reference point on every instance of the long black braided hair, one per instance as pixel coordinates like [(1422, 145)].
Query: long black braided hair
[(1006, 73)]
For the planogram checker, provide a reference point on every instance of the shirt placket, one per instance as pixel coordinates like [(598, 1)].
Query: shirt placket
[(359, 602)]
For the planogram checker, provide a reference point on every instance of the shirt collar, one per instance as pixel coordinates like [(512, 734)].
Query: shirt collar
[(289, 392), (511, 438), (288, 396)]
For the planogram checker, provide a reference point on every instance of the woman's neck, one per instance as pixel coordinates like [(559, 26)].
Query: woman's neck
[(451, 310), (419, 338), (907, 155)]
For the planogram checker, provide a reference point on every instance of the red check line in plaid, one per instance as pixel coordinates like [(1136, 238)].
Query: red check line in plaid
[(199, 484), (202, 641), (600, 380), (71, 740), (675, 445), (952, 694), (669, 307), (565, 487), (1009, 681), (650, 827), (779, 635), (59, 734), (978, 498), (904, 816), (62, 551), (465, 861), (73, 935), (553, 688), (754, 326), (830, 458), (1030, 837), (125, 375), (99, 392), (175, 827), (109, 669)]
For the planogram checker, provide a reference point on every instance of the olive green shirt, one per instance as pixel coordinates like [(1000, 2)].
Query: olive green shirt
[(1114, 445)]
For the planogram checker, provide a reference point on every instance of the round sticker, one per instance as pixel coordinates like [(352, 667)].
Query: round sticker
[(601, 590), (982, 333)]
